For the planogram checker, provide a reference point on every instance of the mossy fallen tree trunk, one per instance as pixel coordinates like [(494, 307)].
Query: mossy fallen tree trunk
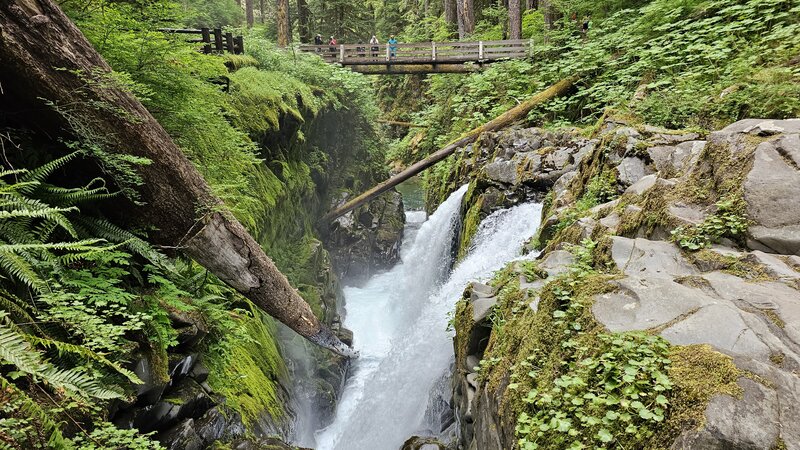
[(47, 59), (507, 118)]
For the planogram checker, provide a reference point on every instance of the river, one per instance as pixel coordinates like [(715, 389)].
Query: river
[(399, 321)]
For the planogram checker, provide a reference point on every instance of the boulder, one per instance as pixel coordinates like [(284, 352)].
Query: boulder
[(422, 443), (771, 190), (181, 437), (632, 169), (642, 185), (674, 160)]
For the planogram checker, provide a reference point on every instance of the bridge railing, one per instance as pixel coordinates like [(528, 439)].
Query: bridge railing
[(213, 40), (422, 52)]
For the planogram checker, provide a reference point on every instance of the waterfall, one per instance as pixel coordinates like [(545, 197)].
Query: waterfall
[(399, 320)]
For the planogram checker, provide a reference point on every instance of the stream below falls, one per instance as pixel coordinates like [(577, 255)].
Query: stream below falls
[(398, 387)]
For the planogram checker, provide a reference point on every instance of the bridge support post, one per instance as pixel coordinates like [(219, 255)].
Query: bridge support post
[(388, 53), (433, 51), (341, 53), (480, 50)]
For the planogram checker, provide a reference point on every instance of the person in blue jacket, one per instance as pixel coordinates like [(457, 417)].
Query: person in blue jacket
[(392, 46)]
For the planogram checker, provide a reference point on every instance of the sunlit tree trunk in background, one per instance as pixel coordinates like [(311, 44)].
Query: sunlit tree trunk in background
[(248, 12), (302, 21), (282, 17), (261, 10), (550, 13), (514, 20), (450, 12), (466, 18)]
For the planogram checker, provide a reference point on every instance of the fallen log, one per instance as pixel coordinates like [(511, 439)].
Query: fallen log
[(47, 59), (401, 124), (507, 118)]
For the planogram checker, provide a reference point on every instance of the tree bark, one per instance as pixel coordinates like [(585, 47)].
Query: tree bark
[(282, 17), (303, 14), (262, 14), (248, 13), (514, 20), (507, 118), (45, 56), (466, 18), (450, 12)]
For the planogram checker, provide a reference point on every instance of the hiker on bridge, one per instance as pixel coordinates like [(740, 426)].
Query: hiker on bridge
[(373, 41), (332, 44), (392, 46), (318, 41)]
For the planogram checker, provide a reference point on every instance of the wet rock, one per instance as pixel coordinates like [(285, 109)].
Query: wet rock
[(368, 241), (153, 383), (179, 366), (771, 190), (422, 443), (181, 437), (199, 372), (211, 426)]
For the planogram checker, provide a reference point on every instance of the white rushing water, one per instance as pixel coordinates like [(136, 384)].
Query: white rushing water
[(399, 321)]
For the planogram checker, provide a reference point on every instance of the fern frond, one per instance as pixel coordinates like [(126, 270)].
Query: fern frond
[(19, 268), (65, 347), (16, 350), (100, 227), (42, 172), (56, 195), (28, 407)]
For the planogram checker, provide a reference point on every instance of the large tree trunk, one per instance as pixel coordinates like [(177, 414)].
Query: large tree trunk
[(302, 21), (514, 20), (507, 118), (261, 12), (282, 17), (450, 12), (248, 12), (47, 59), (466, 18)]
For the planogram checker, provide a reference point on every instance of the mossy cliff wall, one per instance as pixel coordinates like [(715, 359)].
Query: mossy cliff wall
[(661, 311)]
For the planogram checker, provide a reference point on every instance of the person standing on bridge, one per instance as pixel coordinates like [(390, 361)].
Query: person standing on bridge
[(392, 46), (332, 44), (373, 41), (318, 42)]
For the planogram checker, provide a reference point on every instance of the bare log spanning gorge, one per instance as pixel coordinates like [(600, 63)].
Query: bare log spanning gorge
[(507, 118), (45, 56)]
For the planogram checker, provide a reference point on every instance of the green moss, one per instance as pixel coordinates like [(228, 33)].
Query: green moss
[(471, 222), (247, 370), (698, 373)]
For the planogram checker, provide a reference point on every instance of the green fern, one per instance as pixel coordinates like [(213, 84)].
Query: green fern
[(15, 349), (27, 407)]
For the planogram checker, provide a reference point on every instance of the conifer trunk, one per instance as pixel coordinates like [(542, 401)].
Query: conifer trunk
[(282, 17), (45, 56), (248, 12), (450, 12), (514, 20), (302, 21), (466, 18)]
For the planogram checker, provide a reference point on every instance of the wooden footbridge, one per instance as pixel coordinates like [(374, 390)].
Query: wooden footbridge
[(421, 57)]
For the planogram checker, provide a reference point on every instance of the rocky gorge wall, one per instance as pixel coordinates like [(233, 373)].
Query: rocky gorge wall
[(663, 306)]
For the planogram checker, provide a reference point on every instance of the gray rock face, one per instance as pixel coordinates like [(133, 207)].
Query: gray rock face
[(671, 161), (771, 190), (369, 240), (655, 259), (632, 169)]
